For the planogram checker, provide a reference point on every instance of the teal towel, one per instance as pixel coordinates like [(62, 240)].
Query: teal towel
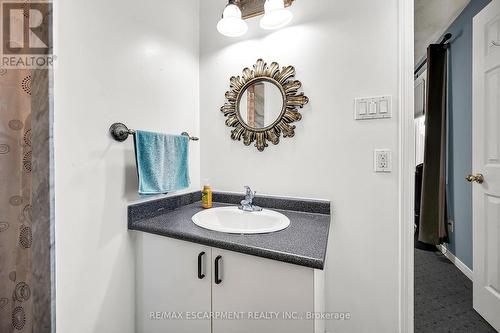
[(162, 162)]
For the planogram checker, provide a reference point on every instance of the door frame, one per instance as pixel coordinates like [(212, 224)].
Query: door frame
[(406, 161)]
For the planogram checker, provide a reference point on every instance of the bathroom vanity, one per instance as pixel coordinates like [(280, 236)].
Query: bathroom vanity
[(191, 279)]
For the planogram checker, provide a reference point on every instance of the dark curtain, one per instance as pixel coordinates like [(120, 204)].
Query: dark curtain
[(433, 213)]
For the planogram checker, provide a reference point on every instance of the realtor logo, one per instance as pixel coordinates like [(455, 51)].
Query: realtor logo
[(26, 30)]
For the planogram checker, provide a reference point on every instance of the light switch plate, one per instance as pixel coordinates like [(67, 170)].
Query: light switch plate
[(382, 160), (373, 107)]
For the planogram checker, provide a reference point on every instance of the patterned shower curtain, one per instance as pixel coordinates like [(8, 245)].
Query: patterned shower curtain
[(15, 201)]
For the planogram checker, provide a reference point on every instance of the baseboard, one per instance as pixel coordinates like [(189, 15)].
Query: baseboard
[(460, 265)]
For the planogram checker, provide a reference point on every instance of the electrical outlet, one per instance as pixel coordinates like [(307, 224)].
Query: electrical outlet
[(382, 160)]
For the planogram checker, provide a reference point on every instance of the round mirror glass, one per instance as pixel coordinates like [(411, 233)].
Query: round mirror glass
[(261, 104)]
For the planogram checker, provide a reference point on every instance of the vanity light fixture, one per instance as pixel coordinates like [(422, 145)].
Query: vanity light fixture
[(231, 24), (275, 15)]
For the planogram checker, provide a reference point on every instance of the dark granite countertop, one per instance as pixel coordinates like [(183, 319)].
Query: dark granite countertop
[(303, 243)]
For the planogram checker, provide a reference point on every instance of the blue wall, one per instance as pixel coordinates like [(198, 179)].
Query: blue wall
[(460, 131)]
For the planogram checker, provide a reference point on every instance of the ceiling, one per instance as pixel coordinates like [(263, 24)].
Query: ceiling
[(432, 18)]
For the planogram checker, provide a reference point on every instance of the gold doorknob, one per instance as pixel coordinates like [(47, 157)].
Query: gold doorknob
[(478, 178)]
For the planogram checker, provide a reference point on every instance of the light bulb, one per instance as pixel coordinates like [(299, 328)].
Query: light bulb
[(275, 15), (231, 24)]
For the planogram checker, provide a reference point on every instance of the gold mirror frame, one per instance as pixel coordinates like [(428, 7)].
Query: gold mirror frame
[(292, 100)]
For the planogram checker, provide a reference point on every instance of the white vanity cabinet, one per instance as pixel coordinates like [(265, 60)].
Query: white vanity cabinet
[(243, 293), (167, 283), (273, 293)]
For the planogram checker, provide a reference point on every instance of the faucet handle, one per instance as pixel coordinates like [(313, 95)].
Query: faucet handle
[(249, 194), (248, 191)]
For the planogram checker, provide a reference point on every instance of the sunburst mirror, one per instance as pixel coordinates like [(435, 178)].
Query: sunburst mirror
[(262, 104)]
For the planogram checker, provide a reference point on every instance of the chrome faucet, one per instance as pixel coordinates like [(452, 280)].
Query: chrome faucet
[(247, 204)]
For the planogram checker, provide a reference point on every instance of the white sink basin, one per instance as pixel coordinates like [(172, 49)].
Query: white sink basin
[(235, 221)]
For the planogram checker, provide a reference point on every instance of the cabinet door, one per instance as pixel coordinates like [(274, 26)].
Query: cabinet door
[(253, 288), (168, 288)]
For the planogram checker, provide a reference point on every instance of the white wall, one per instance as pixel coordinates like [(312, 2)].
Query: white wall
[(137, 62), (129, 61), (341, 49)]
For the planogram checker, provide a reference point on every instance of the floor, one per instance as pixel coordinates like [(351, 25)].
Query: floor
[(443, 297)]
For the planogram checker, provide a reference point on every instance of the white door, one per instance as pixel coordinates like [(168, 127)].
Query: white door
[(486, 161), (255, 288), (173, 285)]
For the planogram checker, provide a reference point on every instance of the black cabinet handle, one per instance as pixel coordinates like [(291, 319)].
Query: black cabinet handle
[(200, 259), (217, 279)]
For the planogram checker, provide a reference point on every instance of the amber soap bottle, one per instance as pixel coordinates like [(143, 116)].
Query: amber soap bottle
[(206, 196)]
